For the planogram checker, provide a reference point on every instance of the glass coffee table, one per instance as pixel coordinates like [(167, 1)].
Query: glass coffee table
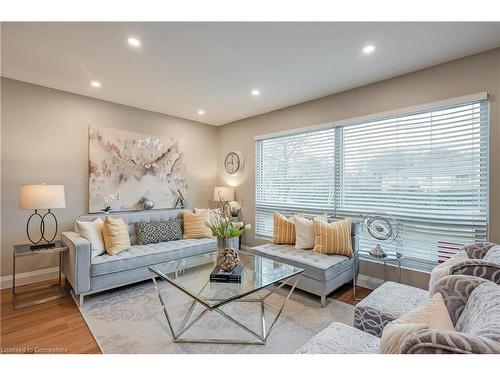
[(261, 277)]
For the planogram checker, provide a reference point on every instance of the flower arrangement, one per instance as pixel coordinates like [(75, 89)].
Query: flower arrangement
[(107, 202), (225, 228)]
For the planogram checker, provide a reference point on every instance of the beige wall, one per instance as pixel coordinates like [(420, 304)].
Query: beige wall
[(45, 139), (460, 77)]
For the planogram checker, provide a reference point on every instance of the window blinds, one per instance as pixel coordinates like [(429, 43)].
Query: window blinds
[(294, 173), (428, 169)]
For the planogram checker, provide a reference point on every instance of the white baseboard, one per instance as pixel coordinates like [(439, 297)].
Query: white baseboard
[(29, 277)]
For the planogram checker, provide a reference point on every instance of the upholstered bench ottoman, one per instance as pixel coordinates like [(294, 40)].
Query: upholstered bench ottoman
[(339, 338), (385, 304), (322, 273)]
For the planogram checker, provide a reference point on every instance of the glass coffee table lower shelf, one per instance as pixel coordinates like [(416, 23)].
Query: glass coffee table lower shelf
[(261, 278), (390, 258)]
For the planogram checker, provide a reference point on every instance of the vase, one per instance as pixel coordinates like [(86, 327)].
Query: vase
[(222, 243)]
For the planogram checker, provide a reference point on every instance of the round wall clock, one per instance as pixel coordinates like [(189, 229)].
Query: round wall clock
[(233, 163)]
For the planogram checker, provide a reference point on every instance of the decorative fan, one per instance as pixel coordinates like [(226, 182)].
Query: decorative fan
[(379, 228)]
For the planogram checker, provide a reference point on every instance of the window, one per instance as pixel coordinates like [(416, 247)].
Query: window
[(294, 174), (427, 169)]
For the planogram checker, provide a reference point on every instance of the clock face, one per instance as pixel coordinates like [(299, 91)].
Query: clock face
[(232, 163)]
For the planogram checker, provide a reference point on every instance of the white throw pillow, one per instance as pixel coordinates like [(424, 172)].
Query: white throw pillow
[(443, 269), (304, 231), (92, 231), (433, 314), (213, 214)]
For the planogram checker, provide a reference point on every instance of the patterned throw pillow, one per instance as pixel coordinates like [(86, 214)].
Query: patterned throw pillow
[(283, 230), (194, 225), (115, 235), (333, 238), (158, 231)]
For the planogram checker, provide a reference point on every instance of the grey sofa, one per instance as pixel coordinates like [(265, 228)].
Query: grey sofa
[(88, 274), (474, 307), (322, 273), (392, 300)]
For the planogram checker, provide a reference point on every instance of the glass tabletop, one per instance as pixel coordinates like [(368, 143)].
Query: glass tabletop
[(24, 249), (192, 275), (389, 257)]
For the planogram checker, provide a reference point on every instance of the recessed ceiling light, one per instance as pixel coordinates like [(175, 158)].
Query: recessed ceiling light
[(201, 112), (368, 49), (134, 42), (255, 92), (95, 84)]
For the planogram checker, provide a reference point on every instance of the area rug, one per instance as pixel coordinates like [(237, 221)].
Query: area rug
[(130, 320)]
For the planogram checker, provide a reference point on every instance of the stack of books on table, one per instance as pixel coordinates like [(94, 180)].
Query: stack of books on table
[(218, 275)]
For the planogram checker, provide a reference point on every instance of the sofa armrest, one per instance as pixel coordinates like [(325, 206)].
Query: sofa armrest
[(76, 263), (479, 268), (456, 290), (477, 250), (432, 341)]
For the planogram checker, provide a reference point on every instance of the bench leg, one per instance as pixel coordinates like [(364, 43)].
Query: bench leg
[(323, 301)]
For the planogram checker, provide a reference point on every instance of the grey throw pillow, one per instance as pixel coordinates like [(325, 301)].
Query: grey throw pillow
[(158, 231)]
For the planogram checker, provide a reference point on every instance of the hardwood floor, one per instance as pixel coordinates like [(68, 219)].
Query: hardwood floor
[(58, 327), (53, 327)]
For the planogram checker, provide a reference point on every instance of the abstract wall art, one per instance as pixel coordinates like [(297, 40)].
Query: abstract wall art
[(127, 168)]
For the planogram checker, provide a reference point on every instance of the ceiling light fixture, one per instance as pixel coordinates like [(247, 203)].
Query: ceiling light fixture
[(96, 84), (368, 49), (134, 42), (201, 112), (255, 92)]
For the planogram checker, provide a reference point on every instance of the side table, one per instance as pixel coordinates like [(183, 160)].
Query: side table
[(24, 250), (390, 258)]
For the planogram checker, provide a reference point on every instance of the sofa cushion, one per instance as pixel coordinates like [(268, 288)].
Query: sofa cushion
[(146, 255), (339, 338), (317, 266), (158, 231), (333, 238), (115, 234), (481, 314), (385, 304), (493, 254), (443, 269), (131, 218)]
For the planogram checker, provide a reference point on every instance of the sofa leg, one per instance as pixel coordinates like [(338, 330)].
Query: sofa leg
[(80, 300), (323, 301)]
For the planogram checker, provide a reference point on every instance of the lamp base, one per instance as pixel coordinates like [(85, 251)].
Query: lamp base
[(48, 245)]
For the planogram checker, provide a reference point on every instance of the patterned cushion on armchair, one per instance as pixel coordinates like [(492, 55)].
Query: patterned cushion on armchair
[(474, 306), (484, 262), (385, 304)]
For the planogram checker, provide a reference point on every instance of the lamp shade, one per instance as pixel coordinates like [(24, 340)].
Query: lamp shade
[(223, 192), (32, 197)]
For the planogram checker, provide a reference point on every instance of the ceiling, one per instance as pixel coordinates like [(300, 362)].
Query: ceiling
[(181, 68)]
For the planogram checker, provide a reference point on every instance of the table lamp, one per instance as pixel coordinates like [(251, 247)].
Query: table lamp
[(41, 197), (224, 195)]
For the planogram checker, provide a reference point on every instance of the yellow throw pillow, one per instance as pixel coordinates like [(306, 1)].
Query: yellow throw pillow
[(333, 238), (284, 230), (194, 224), (115, 234), (433, 315)]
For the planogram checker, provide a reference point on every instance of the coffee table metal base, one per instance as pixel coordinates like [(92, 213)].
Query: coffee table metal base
[(261, 337)]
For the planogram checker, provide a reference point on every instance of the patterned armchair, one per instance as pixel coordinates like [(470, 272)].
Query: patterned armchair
[(392, 300), (484, 262), (474, 307)]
